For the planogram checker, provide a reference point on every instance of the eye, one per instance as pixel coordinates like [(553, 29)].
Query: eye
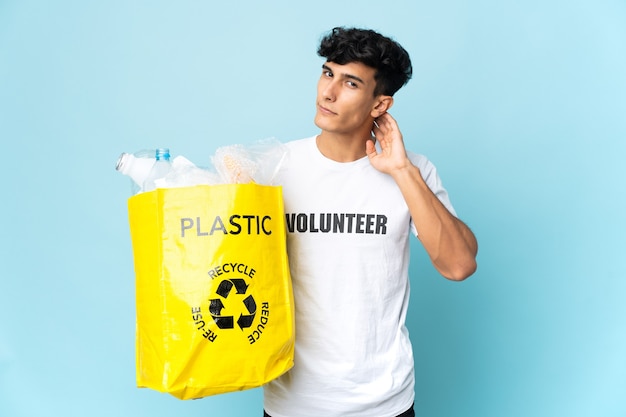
[(327, 73), (352, 84)]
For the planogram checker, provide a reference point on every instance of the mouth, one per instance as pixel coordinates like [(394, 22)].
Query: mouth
[(325, 110)]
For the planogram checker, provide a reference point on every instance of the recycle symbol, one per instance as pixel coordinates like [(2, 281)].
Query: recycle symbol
[(216, 305)]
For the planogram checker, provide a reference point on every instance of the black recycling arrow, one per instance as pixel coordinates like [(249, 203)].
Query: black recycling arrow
[(240, 285), (223, 322), (224, 288), (226, 285), (216, 306), (250, 304), (246, 320)]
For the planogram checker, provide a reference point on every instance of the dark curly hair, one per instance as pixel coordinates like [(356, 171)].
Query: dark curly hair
[(390, 60)]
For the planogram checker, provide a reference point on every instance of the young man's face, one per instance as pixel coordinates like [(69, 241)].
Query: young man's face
[(345, 98)]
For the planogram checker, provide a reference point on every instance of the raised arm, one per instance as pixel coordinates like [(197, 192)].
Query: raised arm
[(450, 244)]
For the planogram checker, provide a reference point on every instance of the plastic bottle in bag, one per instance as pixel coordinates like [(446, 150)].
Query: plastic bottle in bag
[(137, 166), (161, 167)]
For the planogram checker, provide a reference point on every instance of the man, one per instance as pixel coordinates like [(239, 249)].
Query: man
[(350, 206)]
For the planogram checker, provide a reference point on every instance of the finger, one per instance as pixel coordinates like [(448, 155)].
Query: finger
[(384, 124), (370, 148), (383, 118), (390, 122)]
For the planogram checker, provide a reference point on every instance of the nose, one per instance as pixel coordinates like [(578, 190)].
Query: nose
[(329, 92)]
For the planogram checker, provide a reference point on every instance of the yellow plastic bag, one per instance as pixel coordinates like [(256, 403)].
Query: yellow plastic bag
[(213, 290)]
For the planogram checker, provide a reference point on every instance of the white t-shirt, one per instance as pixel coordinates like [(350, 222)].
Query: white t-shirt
[(348, 244)]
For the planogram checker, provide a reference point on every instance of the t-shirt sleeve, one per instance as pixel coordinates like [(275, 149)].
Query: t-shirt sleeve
[(430, 176)]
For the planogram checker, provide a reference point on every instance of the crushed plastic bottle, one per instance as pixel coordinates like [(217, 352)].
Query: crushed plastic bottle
[(137, 166), (161, 167)]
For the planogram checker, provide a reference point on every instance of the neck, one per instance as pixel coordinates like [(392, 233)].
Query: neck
[(342, 148)]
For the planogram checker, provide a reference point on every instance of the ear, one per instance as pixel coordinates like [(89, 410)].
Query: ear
[(382, 105)]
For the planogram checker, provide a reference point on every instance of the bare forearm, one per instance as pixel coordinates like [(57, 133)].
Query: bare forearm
[(451, 245)]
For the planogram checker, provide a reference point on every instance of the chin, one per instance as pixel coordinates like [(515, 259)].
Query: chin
[(322, 120), (319, 122)]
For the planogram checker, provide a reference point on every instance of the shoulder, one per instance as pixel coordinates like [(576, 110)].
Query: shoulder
[(298, 154), (300, 150), (428, 171), (422, 162), (430, 175), (300, 144)]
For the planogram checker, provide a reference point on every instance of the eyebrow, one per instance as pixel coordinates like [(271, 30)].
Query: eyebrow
[(345, 75)]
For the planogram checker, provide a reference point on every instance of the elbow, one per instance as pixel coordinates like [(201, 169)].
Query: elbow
[(460, 271), (458, 264), (464, 264)]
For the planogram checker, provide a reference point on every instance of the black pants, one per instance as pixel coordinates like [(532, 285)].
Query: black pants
[(408, 413)]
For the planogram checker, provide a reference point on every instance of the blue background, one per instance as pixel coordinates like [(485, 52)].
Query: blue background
[(521, 105)]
